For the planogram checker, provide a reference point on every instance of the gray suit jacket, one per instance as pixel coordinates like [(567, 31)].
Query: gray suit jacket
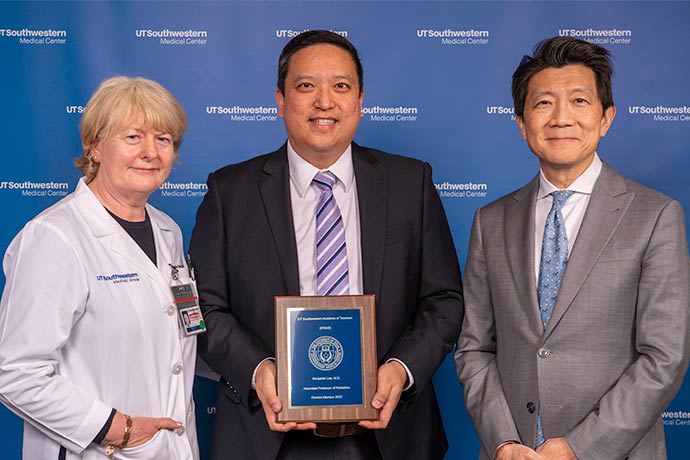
[(616, 349)]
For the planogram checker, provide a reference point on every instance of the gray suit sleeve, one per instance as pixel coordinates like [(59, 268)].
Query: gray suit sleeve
[(475, 357), (627, 411)]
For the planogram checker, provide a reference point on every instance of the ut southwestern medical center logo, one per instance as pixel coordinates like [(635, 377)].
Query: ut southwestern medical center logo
[(676, 418), (325, 353), (450, 36), (291, 33), (663, 113), (391, 113), (612, 36), (30, 188), (117, 278), (174, 36), (26, 36)]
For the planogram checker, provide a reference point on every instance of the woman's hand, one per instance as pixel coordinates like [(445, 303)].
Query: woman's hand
[(143, 429)]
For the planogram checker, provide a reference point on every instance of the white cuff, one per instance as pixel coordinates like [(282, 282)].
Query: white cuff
[(410, 378), (253, 382)]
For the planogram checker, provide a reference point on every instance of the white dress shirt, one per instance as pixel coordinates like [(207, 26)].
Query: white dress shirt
[(304, 196), (573, 210)]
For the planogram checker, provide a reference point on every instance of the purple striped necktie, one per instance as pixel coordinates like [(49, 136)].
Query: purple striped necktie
[(331, 254)]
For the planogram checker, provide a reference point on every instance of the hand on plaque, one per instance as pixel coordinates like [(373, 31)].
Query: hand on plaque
[(268, 395), (389, 386)]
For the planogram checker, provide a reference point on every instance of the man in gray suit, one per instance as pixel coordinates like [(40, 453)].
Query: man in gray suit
[(577, 289)]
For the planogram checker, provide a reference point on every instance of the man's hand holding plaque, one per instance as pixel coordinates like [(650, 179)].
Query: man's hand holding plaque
[(391, 381), (266, 391)]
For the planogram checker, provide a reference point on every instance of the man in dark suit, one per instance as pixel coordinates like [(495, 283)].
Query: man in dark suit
[(255, 238), (577, 327)]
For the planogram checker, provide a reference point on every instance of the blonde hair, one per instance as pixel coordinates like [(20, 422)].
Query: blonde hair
[(116, 102)]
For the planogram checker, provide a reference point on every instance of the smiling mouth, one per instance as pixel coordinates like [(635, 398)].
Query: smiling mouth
[(323, 121), (146, 170)]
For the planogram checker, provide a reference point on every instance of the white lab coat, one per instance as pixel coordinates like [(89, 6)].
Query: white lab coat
[(87, 324)]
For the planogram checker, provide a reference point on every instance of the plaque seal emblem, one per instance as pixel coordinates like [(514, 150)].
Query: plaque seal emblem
[(325, 353)]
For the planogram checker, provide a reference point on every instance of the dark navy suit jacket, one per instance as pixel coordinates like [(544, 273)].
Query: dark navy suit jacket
[(244, 253)]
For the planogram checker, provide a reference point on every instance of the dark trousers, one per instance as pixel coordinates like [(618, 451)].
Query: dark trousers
[(305, 445)]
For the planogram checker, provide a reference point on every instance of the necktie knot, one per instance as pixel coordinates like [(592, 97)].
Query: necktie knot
[(325, 180), (560, 197)]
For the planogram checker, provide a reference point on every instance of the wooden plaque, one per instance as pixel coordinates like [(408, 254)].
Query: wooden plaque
[(326, 358)]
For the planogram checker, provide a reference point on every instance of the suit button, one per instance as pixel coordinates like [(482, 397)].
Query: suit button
[(177, 369), (232, 393), (232, 388), (530, 407), (543, 352), (170, 310), (180, 431)]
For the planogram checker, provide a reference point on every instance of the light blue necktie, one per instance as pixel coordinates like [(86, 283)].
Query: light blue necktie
[(554, 257), (331, 253)]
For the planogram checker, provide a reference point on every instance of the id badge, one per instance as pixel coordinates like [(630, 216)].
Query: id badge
[(188, 311)]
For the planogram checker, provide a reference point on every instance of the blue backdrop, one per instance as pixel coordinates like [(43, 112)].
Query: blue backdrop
[(437, 87)]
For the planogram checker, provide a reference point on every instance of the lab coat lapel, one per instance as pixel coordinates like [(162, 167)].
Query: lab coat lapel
[(165, 240), (105, 228)]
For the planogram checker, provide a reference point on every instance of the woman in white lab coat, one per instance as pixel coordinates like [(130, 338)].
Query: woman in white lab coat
[(93, 354)]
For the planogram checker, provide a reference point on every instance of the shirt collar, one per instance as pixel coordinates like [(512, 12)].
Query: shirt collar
[(583, 184), (302, 172)]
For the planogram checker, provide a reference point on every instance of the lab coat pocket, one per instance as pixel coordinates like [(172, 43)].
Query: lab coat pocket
[(153, 448)]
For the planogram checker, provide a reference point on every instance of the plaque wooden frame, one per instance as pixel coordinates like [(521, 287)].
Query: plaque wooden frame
[(328, 413)]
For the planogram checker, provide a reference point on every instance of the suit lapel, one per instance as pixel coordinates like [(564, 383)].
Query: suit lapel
[(519, 234), (371, 198), (274, 186), (606, 208)]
